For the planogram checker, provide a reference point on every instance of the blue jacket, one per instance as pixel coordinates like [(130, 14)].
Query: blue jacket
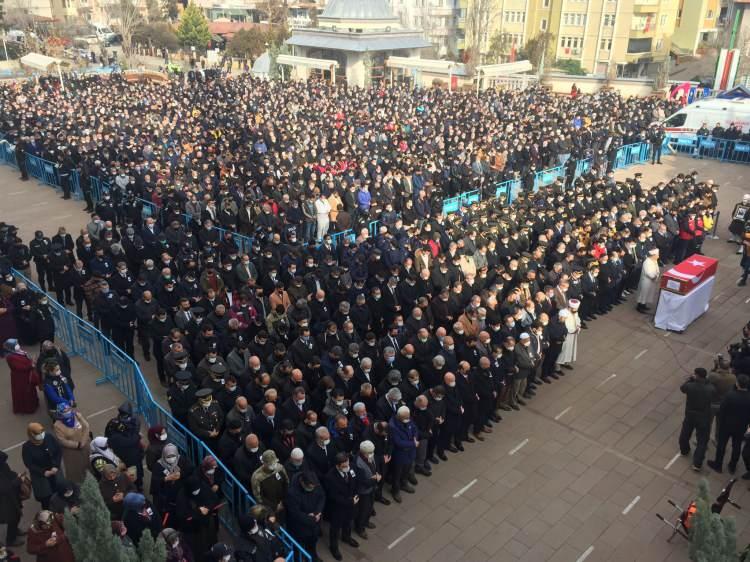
[(403, 436)]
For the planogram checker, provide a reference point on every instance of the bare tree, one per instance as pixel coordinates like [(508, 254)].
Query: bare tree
[(126, 16), (478, 17)]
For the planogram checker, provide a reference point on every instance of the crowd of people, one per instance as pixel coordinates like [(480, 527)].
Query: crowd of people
[(326, 377)]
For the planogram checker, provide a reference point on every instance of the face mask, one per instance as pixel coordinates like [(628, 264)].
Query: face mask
[(460, 332), (212, 359), (339, 402), (182, 366), (17, 347), (254, 449), (163, 437), (171, 459), (301, 402), (451, 384), (205, 403), (405, 421), (408, 356), (211, 471), (195, 492), (39, 436), (327, 442)]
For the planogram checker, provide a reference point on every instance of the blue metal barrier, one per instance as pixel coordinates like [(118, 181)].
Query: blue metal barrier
[(82, 338), (338, 237), (8, 153), (630, 154), (546, 177), (373, 228), (43, 170), (98, 188), (726, 150)]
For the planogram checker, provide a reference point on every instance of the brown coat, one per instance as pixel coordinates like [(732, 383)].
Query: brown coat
[(75, 443), (37, 539)]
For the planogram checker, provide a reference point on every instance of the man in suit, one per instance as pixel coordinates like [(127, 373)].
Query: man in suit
[(733, 419), (265, 424), (699, 393), (321, 454), (340, 483)]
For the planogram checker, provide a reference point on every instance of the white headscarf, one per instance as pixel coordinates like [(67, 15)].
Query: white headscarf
[(99, 448)]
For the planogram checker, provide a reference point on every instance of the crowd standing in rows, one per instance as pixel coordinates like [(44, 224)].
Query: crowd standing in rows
[(327, 376)]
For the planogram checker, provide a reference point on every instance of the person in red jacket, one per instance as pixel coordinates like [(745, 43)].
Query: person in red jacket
[(691, 232), (23, 378)]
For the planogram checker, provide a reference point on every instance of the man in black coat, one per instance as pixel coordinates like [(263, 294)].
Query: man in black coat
[(341, 498), (733, 419), (123, 433), (699, 393), (321, 453), (305, 501), (10, 502), (449, 438)]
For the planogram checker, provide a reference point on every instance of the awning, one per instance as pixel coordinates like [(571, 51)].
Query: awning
[(505, 69), (322, 64), (41, 62), (736, 93)]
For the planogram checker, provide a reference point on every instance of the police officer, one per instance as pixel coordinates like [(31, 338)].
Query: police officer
[(181, 396), (40, 248), (205, 418), (160, 328)]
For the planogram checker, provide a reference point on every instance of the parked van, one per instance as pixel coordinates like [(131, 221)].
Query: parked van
[(709, 111), (104, 33)]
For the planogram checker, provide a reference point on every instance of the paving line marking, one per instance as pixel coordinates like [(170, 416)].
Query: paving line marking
[(99, 413), (586, 554), (17, 192), (561, 414), (609, 378), (462, 490), (518, 447), (40, 204), (402, 537), (747, 300), (670, 463), (641, 354), (667, 334), (16, 446), (717, 295), (61, 217), (631, 505)]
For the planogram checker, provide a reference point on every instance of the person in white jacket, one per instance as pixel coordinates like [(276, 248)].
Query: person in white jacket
[(648, 288), (322, 215)]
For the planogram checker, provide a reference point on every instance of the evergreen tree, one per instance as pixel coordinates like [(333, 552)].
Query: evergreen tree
[(90, 531), (700, 526), (193, 28), (730, 539), (150, 550)]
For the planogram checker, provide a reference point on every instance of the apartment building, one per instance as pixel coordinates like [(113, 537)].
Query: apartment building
[(438, 19), (608, 37), (699, 22)]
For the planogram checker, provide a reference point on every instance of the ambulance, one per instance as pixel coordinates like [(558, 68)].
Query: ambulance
[(708, 111)]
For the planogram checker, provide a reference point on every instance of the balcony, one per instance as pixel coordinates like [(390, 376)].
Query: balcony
[(646, 7), (642, 33), (441, 31)]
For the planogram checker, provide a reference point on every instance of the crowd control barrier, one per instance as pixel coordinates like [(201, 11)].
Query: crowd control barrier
[(83, 339), (626, 156), (726, 150)]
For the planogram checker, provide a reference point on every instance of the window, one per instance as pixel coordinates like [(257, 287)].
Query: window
[(609, 20), (515, 17), (605, 45), (659, 44), (663, 20), (545, 4), (543, 24), (677, 120), (710, 15), (574, 19), (639, 45)]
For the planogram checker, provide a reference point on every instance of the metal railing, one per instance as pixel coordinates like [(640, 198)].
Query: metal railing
[(726, 150), (627, 155), (85, 340)]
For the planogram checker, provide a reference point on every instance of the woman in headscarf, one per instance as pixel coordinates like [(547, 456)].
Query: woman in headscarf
[(198, 509), (67, 496), (114, 486), (211, 475), (47, 539), (178, 549), (167, 477), (72, 432), (101, 455), (139, 517), (157, 438), (23, 378), (42, 457)]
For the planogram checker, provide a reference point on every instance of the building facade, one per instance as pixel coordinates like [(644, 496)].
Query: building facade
[(438, 19), (607, 37), (699, 22)]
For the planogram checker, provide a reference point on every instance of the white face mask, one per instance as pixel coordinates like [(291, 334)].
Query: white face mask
[(451, 384), (17, 347), (163, 437), (211, 471), (39, 436), (195, 492), (212, 359), (327, 442)]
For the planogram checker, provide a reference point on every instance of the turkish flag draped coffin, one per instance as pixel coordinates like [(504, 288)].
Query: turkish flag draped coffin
[(687, 275)]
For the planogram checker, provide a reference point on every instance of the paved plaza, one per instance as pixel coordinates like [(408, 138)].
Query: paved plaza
[(576, 475)]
